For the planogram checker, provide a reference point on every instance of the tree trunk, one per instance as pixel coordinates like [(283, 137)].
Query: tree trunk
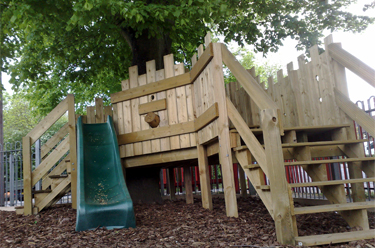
[(145, 48)]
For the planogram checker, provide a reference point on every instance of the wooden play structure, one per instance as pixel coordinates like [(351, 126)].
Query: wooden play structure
[(176, 117)]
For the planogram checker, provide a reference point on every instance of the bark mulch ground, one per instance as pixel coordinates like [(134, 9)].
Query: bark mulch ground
[(172, 224)]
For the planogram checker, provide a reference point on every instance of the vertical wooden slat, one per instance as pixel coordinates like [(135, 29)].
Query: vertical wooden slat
[(165, 144), (254, 108), (115, 117), (225, 151), (90, 114), (171, 99), (306, 98), (146, 145), (135, 118), (27, 172), (107, 111), (182, 114), (151, 77), (73, 148), (315, 92), (325, 101), (99, 117), (125, 110), (190, 109), (188, 185)]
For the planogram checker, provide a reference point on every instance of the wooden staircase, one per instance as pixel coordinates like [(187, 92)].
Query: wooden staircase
[(297, 146), (57, 171)]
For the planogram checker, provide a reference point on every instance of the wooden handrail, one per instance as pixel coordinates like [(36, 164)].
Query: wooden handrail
[(357, 114), (247, 135), (48, 121), (257, 94), (352, 63)]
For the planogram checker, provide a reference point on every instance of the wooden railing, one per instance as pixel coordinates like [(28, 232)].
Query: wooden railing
[(49, 160), (271, 158)]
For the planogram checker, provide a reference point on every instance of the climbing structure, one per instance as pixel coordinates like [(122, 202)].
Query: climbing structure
[(173, 117)]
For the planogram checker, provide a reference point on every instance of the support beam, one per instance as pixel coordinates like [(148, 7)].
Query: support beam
[(27, 186), (188, 185), (171, 184), (225, 151), (73, 148), (204, 175), (279, 187)]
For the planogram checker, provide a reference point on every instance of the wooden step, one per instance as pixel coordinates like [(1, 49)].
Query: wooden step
[(263, 187), (251, 166), (332, 182), (334, 238), (306, 129), (329, 161), (42, 191), (58, 176), (323, 143), (334, 207), (240, 148)]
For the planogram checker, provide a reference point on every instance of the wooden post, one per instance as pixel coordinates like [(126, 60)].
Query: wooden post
[(225, 151), (188, 185), (73, 148), (204, 175), (278, 183), (171, 184), (27, 173), (242, 181)]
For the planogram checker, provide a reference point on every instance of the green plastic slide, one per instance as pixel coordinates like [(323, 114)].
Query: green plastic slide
[(103, 200)]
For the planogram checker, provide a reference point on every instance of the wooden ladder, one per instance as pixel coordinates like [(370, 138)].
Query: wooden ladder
[(299, 145)]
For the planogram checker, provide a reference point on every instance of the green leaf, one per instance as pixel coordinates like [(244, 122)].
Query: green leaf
[(13, 18), (88, 6)]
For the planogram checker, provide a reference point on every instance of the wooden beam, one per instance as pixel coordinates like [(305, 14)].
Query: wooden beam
[(159, 158), (204, 177), (171, 184), (211, 114), (352, 63), (48, 121), (248, 137), (152, 106), (55, 192), (155, 133), (202, 62), (334, 238), (73, 148), (188, 185), (279, 187), (56, 138), (354, 112), (257, 94), (165, 84), (27, 175), (225, 154), (332, 182)]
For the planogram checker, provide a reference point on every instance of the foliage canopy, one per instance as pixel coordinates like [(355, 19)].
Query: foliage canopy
[(55, 47)]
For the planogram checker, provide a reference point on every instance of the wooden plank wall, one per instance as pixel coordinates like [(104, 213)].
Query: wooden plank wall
[(179, 109), (305, 96), (97, 113), (205, 97)]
